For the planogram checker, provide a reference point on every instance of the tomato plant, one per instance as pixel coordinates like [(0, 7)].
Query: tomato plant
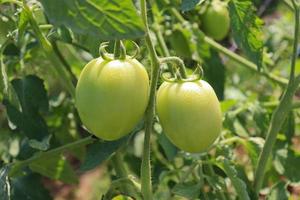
[(149, 100)]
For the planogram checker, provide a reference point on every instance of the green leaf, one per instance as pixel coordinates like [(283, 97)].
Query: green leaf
[(29, 187), (55, 167), (187, 5), (4, 184), (286, 163), (169, 149), (214, 70), (253, 146), (22, 23), (238, 184), (189, 190), (104, 19), (246, 29), (100, 151), (33, 100), (279, 192)]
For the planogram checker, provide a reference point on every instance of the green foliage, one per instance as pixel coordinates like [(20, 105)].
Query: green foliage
[(246, 29), (105, 20)]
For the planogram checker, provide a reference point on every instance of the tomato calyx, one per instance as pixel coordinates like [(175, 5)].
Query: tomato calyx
[(119, 51), (180, 75)]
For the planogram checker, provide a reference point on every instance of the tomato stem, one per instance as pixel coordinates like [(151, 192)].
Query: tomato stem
[(163, 46), (150, 112)]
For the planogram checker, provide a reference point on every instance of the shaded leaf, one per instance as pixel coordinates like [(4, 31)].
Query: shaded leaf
[(55, 167), (189, 190), (214, 70), (4, 184), (169, 148), (287, 163), (33, 99), (28, 187), (238, 184), (279, 192), (187, 5), (100, 151)]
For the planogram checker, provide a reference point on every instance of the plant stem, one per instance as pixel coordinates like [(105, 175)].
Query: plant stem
[(279, 114), (150, 112), (239, 59), (163, 46), (121, 171), (19, 164)]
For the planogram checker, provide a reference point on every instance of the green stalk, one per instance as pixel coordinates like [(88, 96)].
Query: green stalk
[(281, 112), (150, 112), (162, 44), (121, 171), (248, 64), (19, 164)]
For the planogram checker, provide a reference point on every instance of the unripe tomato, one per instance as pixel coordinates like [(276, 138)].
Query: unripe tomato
[(215, 21), (112, 96), (190, 114)]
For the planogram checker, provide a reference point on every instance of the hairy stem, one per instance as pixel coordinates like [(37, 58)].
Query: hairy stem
[(150, 112), (163, 46)]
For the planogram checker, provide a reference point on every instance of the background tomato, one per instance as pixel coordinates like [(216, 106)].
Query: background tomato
[(190, 114), (215, 21), (111, 96)]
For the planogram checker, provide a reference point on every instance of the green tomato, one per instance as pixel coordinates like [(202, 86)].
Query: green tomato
[(190, 114), (215, 21), (112, 96)]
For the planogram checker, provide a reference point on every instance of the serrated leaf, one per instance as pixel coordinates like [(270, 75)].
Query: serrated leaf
[(33, 99), (104, 19), (28, 187), (169, 149), (253, 146), (100, 151), (187, 5), (287, 163), (189, 190), (4, 184), (246, 29), (55, 167), (279, 192), (40, 145), (238, 184)]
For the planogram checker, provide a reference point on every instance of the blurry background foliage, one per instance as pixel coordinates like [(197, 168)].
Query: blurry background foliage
[(37, 112)]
